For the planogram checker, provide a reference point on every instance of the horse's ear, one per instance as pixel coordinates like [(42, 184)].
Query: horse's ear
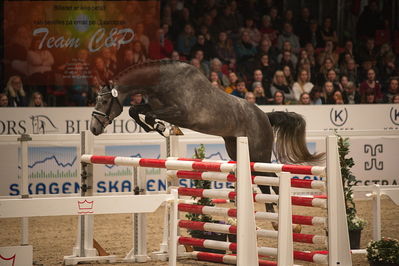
[(114, 93)]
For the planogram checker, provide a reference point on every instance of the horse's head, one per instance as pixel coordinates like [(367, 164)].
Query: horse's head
[(108, 106)]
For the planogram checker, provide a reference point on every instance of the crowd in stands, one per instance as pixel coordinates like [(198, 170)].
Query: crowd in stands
[(250, 49)]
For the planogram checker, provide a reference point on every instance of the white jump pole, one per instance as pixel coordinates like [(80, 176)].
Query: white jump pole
[(376, 212), (338, 237), (24, 155), (247, 250), (285, 241)]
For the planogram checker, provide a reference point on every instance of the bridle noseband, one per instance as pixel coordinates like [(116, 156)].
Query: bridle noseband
[(114, 92)]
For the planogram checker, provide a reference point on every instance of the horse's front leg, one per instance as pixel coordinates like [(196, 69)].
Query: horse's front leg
[(134, 112)]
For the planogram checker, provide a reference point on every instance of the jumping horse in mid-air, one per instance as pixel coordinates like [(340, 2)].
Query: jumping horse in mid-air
[(178, 93)]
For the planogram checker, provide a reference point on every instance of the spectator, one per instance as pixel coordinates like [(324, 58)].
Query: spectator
[(350, 71), (313, 35), (109, 59), (127, 60), (140, 36), (79, 90), (244, 49), (392, 90), (227, 21), (258, 77), (287, 56), (265, 48), (302, 25), (254, 33), (280, 84), (3, 100), (37, 100), (304, 98), (279, 98), (161, 47), (250, 97), (240, 90), (205, 46), (259, 93), (368, 52), (348, 50), (328, 52), (327, 65), (186, 40), (267, 70), (395, 99), (267, 30), (302, 84), (136, 99), (370, 97), (214, 78), (333, 78), (371, 84), (139, 53), (387, 68), (20, 43), (204, 65), (15, 92), (350, 94), (233, 79), (315, 96), (216, 66), (327, 96), (101, 75), (176, 56), (328, 33), (338, 99), (224, 49), (369, 21), (289, 76), (288, 35)]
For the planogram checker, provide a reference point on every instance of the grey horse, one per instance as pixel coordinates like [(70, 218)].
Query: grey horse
[(181, 95)]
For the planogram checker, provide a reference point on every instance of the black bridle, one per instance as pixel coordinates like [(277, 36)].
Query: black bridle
[(114, 93)]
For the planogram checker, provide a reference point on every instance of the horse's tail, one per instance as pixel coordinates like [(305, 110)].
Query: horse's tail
[(289, 129)]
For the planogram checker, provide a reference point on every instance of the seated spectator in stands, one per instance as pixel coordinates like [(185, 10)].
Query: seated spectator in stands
[(363, 70), (285, 58), (395, 99), (195, 62), (259, 93), (315, 95), (304, 56), (327, 96), (250, 97), (254, 33), (136, 99), (258, 77), (176, 56), (240, 89), (267, 30), (369, 97), (328, 52), (265, 48), (101, 75), (161, 47), (15, 92), (109, 59), (289, 74), (139, 35), (288, 35), (266, 68), (310, 50), (313, 35), (328, 33), (392, 90), (387, 67), (3, 100), (214, 79), (244, 49), (302, 84), (205, 65), (233, 79), (279, 98), (280, 84), (348, 50), (327, 65), (186, 40), (275, 18), (304, 98), (205, 46), (338, 99), (127, 60), (288, 16), (228, 21), (139, 53), (216, 66), (224, 48), (350, 94), (343, 82), (369, 20), (368, 51), (301, 27), (371, 84), (333, 78), (37, 100), (349, 69)]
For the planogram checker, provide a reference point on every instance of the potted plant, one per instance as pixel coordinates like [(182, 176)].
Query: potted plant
[(205, 184), (355, 223), (384, 252)]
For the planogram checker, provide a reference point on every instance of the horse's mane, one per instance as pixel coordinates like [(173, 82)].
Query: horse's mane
[(147, 64)]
